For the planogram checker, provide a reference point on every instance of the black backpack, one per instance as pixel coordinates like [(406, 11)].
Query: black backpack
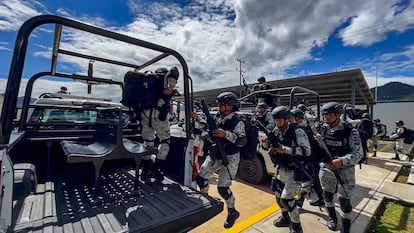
[(252, 135), (142, 90), (317, 153), (408, 136), (366, 129)]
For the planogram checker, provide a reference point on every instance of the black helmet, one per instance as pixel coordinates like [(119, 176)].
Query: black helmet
[(297, 113), (263, 105), (332, 107), (377, 120), (261, 79), (281, 112), (227, 98), (399, 123), (302, 107)]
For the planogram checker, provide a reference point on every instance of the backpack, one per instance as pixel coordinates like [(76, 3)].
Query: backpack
[(317, 154), (249, 150), (142, 90), (366, 129), (408, 136)]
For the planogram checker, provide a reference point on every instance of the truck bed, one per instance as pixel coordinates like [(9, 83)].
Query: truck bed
[(66, 204)]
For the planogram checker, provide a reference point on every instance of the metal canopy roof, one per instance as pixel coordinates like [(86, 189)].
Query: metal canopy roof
[(347, 87)]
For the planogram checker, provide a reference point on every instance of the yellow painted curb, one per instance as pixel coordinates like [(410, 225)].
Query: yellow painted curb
[(243, 225), (387, 145)]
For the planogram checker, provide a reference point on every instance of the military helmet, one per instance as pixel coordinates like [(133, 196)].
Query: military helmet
[(263, 105), (281, 112), (261, 79), (332, 107), (302, 107), (377, 120), (399, 123), (227, 98), (297, 113)]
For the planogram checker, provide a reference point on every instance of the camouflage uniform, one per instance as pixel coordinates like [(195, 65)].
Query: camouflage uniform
[(154, 120), (266, 119), (400, 146), (291, 143), (150, 124), (352, 155), (284, 183), (231, 133), (212, 165)]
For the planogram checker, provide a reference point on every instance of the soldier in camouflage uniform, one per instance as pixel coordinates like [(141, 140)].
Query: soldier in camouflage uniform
[(154, 120), (264, 116), (312, 164), (232, 134), (291, 143), (344, 144)]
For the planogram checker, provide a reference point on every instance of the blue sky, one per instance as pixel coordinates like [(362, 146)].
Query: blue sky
[(277, 39)]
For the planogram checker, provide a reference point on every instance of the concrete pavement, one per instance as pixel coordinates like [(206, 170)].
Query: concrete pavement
[(374, 185)]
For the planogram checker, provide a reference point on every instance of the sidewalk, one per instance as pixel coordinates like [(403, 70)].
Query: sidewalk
[(374, 185)]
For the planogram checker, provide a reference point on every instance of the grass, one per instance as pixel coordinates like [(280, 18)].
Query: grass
[(402, 176), (396, 218)]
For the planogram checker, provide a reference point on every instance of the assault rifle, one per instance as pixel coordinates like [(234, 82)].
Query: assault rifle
[(216, 143), (276, 143), (323, 146)]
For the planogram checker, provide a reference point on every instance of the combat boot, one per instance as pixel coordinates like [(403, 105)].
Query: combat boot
[(158, 174), (332, 221), (397, 157), (283, 221), (296, 228), (232, 216), (318, 202), (346, 225), (147, 172)]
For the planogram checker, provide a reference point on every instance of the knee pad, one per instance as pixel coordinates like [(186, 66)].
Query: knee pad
[(328, 196), (163, 149), (225, 192), (277, 185), (201, 182), (345, 204), (289, 204), (149, 142)]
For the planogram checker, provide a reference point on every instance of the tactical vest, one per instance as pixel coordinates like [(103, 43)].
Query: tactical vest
[(229, 124), (262, 119), (337, 141), (287, 139)]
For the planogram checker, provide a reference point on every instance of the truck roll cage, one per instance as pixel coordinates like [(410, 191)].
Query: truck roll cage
[(19, 56)]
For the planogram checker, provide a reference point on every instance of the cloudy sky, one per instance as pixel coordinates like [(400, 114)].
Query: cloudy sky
[(277, 39)]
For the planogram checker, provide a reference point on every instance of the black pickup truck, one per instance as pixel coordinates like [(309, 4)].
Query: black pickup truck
[(72, 163)]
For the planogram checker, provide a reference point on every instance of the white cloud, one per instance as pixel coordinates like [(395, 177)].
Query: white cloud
[(271, 36), (14, 12), (375, 19)]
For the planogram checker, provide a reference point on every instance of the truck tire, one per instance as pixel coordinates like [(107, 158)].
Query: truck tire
[(252, 170)]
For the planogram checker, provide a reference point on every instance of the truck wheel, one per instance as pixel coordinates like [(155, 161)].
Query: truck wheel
[(252, 170)]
